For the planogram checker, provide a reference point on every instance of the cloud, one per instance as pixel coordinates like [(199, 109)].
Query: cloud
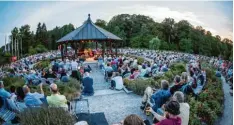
[(205, 14)]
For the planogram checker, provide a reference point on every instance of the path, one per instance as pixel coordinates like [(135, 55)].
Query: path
[(116, 105), (227, 117)]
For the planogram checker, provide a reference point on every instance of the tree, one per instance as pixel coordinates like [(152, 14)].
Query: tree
[(164, 45), (27, 38), (168, 28), (155, 43), (101, 23), (186, 45)]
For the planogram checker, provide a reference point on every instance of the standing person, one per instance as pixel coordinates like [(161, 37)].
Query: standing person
[(74, 65)]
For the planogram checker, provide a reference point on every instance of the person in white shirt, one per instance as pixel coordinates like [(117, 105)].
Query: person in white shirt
[(184, 107), (74, 65), (116, 81)]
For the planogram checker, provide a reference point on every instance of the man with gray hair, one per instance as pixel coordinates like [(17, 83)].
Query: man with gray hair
[(30, 99), (3, 93), (184, 107)]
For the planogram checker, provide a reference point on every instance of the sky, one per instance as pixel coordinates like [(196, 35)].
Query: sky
[(216, 17)]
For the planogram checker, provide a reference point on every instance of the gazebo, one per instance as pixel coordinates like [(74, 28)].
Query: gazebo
[(88, 32)]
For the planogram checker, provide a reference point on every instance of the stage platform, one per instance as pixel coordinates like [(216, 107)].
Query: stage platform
[(90, 61)]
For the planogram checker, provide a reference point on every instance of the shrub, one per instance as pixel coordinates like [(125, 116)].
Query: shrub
[(140, 60), (178, 68), (13, 81), (70, 89), (46, 116), (138, 86), (42, 64), (208, 105)]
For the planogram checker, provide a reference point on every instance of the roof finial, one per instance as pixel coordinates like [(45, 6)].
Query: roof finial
[(89, 15)]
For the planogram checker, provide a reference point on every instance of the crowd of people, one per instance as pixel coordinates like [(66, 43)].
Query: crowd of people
[(167, 104)]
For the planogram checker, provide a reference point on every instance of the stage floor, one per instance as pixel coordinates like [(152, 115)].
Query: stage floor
[(90, 60)]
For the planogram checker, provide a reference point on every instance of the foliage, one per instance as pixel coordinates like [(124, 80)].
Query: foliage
[(70, 89), (42, 64), (38, 49), (46, 116), (138, 86), (136, 31), (15, 81), (177, 68), (208, 106), (155, 43), (186, 45)]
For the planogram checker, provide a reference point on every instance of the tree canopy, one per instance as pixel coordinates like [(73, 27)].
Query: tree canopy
[(136, 31)]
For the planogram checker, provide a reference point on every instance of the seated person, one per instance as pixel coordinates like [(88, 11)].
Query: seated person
[(50, 74), (159, 97), (31, 99), (171, 114), (135, 74), (143, 71), (186, 88), (132, 120), (88, 85), (20, 99), (109, 70), (76, 74), (184, 107), (87, 68), (116, 81), (13, 95), (176, 86), (126, 71), (56, 99)]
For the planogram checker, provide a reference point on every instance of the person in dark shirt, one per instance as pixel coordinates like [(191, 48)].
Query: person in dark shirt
[(88, 85), (176, 86), (50, 74)]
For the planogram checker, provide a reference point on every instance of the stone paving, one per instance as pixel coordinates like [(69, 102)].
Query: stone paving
[(227, 118), (116, 105)]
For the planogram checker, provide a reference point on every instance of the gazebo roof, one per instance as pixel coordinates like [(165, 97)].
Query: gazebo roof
[(88, 31)]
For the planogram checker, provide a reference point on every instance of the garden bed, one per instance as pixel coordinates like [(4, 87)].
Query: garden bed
[(204, 109)]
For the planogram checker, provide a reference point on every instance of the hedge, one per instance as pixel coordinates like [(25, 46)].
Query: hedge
[(70, 89)]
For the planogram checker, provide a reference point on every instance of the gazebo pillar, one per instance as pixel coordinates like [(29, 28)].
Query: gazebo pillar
[(111, 47), (61, 48), (96, 45), (66, 49), (103, 49), (116, 49)]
